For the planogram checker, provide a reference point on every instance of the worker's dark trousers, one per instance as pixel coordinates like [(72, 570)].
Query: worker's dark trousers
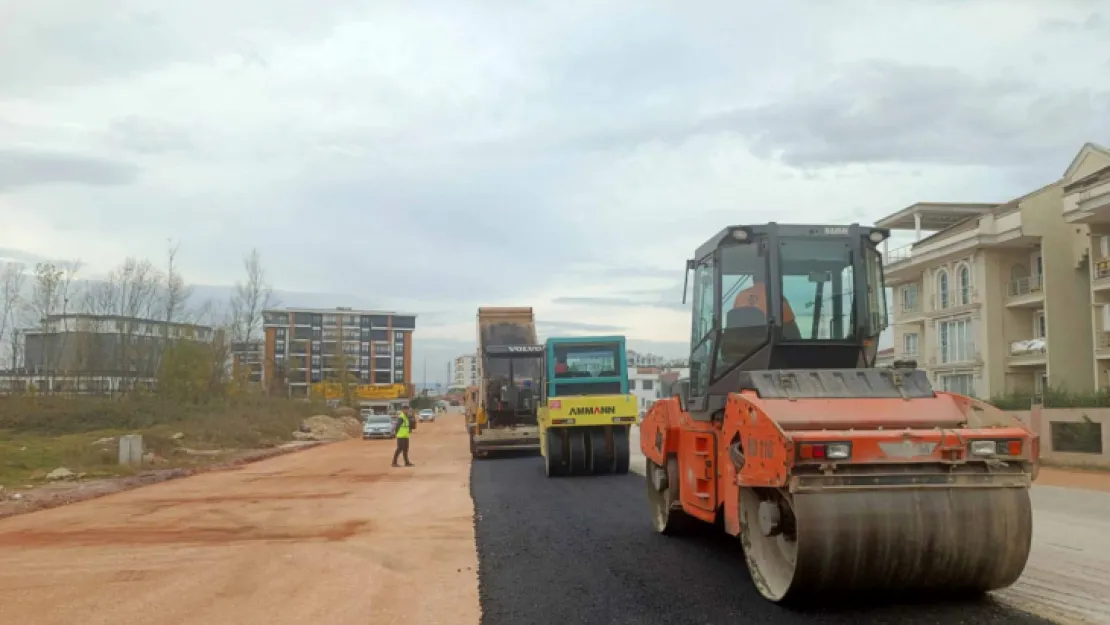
[(402, 448)]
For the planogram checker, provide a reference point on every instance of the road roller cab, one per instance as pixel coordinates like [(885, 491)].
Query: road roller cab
[(836, 476)]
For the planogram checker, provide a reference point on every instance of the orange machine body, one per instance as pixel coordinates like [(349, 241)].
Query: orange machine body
[(919, 442)]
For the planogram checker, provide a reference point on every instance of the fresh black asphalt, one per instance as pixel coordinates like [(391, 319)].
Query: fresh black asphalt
[(566, 551)]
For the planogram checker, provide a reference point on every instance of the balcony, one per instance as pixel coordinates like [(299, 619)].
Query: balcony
[(1025, 292), (898, 255), (909, 312), (1102, 345), (1088, 200), (972, 359), (1028, 353), (954, 302), (1100, 274)]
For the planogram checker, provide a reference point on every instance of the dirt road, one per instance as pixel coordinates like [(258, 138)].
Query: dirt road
[(328, 535)]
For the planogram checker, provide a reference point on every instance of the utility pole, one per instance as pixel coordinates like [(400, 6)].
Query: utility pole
[(425, 375)]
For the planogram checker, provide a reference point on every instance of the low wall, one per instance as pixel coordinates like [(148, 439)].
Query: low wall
[(1078, 437)]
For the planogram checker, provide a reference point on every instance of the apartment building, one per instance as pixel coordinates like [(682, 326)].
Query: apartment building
[(466, 371), (1087, 209), (311, 350), (85, 353), (641, 359), (649, 384), (247, 361), (998, 299)]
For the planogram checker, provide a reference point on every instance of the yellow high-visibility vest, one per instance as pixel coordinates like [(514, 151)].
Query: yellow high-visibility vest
[(403, 429)]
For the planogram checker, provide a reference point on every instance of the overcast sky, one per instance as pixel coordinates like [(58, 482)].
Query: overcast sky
[(437, 156)]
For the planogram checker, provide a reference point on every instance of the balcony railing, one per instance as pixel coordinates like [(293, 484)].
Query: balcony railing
[(898, 254), (1031, 348), (1025, 286), (954, 298), (1102, 268), (1103, 340)]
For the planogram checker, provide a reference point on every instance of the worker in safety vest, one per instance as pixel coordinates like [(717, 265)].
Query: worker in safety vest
[(755, 296), (403, 432)]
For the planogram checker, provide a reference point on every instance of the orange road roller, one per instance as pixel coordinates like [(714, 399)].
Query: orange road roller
[(837, 476)]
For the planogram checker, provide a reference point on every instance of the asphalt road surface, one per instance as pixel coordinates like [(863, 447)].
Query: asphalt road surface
[(582, 550)]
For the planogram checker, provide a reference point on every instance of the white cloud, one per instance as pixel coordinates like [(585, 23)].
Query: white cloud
[(452, 155)]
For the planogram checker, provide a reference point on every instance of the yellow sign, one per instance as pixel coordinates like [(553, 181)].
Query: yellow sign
[(333, 390)]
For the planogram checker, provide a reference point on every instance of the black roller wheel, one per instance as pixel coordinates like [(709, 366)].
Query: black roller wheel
[(576, 451), (621, 450), (601, 461), (555, 463)]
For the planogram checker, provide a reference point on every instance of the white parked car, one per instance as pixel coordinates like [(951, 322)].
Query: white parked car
[(427, 415), (378, 426)]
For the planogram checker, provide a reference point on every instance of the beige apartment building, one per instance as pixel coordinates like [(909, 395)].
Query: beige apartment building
[(1008, 298)]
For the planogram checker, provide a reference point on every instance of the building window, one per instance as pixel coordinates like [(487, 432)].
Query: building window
[(956, 342), (1040, 330), (382, 350), (404, 322), (909, 344), (381, 363), (364, 375), (909, 298), (632, 385), (964, 277), (942, 289), (315, 361), (364, 362), (330, 320), (379, 335), (648, 385), (963, 383), (382, 377)]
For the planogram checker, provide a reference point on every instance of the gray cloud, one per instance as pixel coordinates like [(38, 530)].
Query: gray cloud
[(25, 167), (149, 136), (8, 254), (554, 328), (888, 112), (384, 155)]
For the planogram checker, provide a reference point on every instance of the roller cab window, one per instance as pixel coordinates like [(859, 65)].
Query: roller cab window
[(818, 287), (587, 369), (742, 301)]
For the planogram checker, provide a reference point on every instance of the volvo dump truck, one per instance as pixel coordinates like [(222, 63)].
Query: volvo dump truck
[(836, 476), (588, 412), (510, 372)]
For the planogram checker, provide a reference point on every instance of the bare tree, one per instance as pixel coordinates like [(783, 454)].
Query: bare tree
[(50, 298), (175, 293), (12, 279), (250, 299)]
